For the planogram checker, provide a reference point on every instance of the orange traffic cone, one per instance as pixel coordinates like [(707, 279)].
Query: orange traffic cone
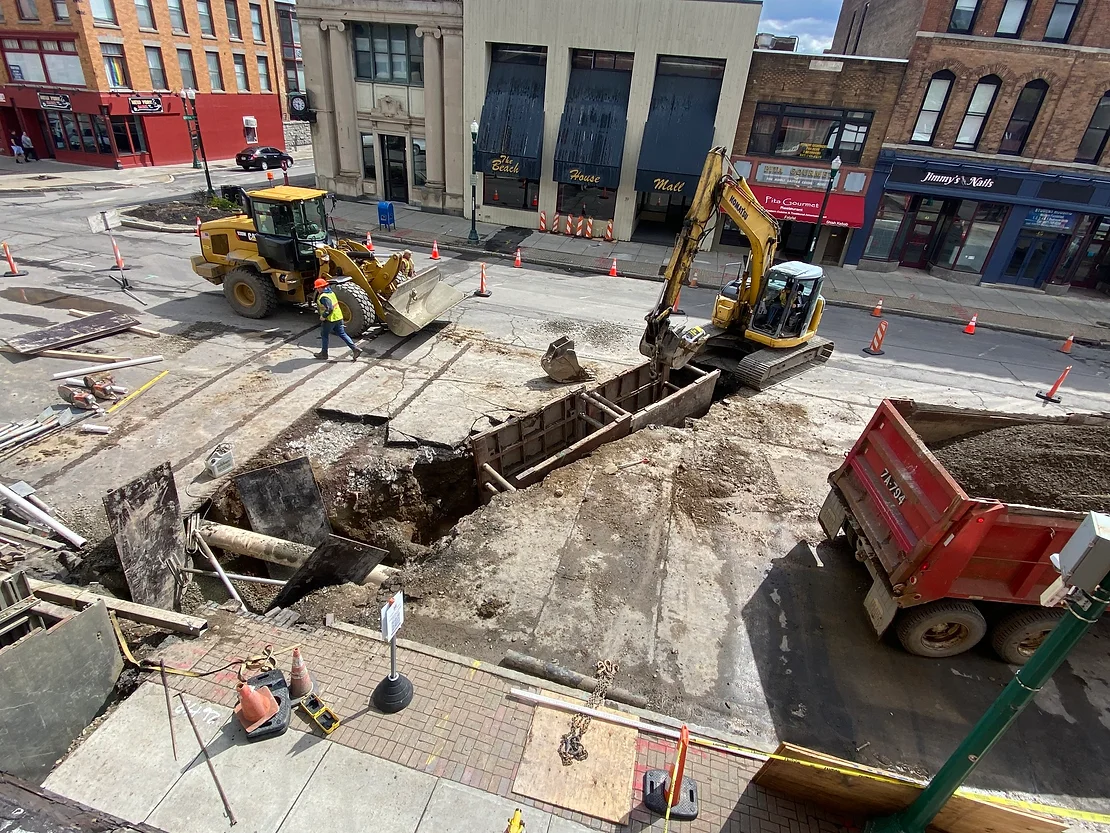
[(516, 263), (198, 226), (435, 250), (1051, 395), (482, 291), (300, 682), (256, 706), (970, 328), (1067, 344), (878, 311), (613, 269), (369, 243)]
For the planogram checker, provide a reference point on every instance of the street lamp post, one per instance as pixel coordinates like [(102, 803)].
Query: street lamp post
[(472, 238), (834, 168), (189, 105)]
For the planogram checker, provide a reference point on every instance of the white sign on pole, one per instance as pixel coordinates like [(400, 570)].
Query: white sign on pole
[(104, 221), (393, 616)]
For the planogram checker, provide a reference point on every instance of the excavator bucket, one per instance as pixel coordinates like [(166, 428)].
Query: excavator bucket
[(560, 362), (418, 302)]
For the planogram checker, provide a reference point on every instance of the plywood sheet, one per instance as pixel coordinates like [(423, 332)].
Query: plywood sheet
[(846, 787), (69, 333), (284, 501), (335, 561), (600, 786), (145, 518)]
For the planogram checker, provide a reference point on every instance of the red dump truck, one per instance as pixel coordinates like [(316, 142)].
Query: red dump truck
[(947, 567)]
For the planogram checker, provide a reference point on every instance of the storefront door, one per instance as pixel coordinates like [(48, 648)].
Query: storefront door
[(396, 168), (1091, 260), (1033, 257), (915, 252)]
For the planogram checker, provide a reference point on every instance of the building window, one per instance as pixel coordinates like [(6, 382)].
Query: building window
[(970, 236), (1013, 17), (595, 59), (288, 26), (294, 77), (61, 10), (215, 73), (978, 109), (585, 200), (1094, 139), (369, 167), (188, 70), (884, 232), (256, 24), (510, 193), (242, 83), (115, 65), (963, 16), (177, 16), (232, 12), (389, 52), (264, 74), (103, 11), (936, 97), (809, 132), (204, 12), (49, 61), (27, 9), (128, 131), (1061, 21), (1021, 120), (145, 14), (419, 163), (157, 68)]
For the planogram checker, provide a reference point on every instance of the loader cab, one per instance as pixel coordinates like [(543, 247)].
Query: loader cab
[(289, 226), (789, 298)]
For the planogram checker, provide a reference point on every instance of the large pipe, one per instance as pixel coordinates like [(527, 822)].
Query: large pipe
[(220, 572), (33, 513), (496, 476), (245, 542), (98, 368), (564, 676)]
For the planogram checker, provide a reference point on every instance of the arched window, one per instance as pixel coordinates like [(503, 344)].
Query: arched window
[(936, 97), (1094, 139), (978, 110), (963, 16), (1021, 120)]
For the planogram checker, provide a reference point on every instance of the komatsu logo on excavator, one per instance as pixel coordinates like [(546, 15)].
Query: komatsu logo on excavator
[(735, 203)]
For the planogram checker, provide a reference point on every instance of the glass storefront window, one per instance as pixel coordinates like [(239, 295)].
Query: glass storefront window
[(104, 143), (510, 193), (85, 123), (970, 236), (56, 133), (892, 211), (73, 134), (587, 200)]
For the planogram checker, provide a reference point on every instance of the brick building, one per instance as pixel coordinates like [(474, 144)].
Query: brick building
[(995, 163), (800, 112), (97, 82)]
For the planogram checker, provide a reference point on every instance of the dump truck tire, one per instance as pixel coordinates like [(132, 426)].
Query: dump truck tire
[(250, 294), (358, 311), (941, 629), (1019, 634)]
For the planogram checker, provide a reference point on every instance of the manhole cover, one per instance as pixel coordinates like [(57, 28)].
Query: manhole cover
[(43, 177)]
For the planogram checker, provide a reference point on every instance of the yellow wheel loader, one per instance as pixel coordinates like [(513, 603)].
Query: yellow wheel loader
[(277, 249), (764, 324)]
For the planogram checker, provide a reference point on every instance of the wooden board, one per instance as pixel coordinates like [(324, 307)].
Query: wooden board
[(851, 792), (284, 501), (335, 561), (72, 332), (600, 786), (145, 518), (40, 811)]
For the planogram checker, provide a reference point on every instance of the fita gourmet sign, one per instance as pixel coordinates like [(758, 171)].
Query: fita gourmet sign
[(504, 164), (577, 175)]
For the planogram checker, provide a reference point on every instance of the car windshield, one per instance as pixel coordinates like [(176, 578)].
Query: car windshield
[(311, 220)]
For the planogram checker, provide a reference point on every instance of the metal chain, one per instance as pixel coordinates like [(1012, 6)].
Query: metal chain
[(570, 745)]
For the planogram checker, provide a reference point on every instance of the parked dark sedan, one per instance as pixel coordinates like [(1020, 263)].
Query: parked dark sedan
[(262, 158)]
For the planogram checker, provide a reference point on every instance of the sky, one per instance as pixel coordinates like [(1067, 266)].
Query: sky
[(813, 21)]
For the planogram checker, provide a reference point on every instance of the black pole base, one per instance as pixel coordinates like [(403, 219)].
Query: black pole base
[(871, 352), (392, 695), (655, 786), (1047, 398), (477, 292), (18, 274)]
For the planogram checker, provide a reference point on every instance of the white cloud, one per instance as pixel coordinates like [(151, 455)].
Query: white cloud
[(814, 35)]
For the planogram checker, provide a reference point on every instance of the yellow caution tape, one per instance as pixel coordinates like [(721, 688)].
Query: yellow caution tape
[(136, 392)]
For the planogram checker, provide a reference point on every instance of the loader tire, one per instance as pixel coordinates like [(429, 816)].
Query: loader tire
[(941, 629), (1019, 634), (250, 294), (358, 311)]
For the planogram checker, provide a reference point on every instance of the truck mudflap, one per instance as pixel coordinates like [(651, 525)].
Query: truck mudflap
[(417, 302), (880, 604), (833, 514)]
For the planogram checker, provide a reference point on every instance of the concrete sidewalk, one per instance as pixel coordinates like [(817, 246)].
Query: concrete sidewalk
[(1082, 313), (449, 762)]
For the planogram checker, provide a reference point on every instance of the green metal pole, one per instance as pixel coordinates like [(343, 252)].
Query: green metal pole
[(1083, 611)]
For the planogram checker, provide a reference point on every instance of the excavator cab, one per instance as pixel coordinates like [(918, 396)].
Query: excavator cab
[(786, 307)]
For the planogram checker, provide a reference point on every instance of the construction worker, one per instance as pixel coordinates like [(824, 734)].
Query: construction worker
[(407, 269), (331, 319)]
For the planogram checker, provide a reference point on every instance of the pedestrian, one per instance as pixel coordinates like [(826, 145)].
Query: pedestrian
[(331, 320), (17, 150), (28, 148)]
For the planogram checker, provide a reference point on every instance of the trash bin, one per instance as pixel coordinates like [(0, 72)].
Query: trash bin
[(387, 217)]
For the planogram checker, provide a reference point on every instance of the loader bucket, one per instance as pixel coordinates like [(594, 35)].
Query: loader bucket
[(560, 362), (418, 302)]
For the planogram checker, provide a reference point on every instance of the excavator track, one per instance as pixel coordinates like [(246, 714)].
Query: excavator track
[(763, 368)]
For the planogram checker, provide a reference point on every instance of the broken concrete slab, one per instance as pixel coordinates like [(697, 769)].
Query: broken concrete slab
[(55, 682), (35, 810), (351, 792), (107, 771), (145, 518), (335, 561), (284, 501)]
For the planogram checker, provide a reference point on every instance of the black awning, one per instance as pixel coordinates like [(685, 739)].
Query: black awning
[(591, 132), (678, 133), (510, 137)]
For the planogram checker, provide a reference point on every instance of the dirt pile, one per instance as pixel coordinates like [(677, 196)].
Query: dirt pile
[(1054, 466)]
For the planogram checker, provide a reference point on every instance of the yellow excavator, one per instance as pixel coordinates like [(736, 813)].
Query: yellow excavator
[(277, 248), (764, 324)]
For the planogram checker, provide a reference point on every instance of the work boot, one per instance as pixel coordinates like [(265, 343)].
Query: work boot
[(355, 353), (323, 355)]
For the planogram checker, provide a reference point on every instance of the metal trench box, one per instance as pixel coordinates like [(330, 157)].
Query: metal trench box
[(525, 449)]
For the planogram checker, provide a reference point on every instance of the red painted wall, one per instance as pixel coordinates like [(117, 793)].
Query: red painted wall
[(221, 126)]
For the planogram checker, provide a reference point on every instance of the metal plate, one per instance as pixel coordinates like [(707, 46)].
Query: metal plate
[(284, 501), (70, 333), (335, 561)]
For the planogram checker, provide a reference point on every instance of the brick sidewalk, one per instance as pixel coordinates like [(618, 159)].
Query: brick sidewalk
[(463, 726)]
